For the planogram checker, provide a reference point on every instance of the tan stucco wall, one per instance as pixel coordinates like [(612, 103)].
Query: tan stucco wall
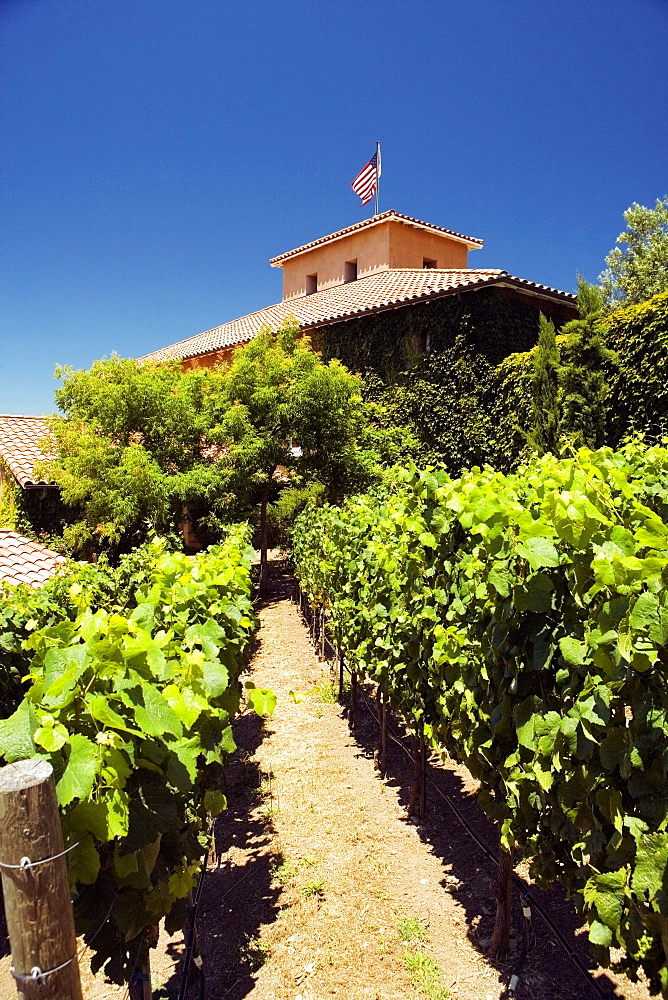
[(223, 356), (370, 247), (409, 247), (391, 244)]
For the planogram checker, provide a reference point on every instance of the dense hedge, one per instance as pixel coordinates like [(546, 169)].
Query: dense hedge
[(467, 404), (639, 381), (521, 621)]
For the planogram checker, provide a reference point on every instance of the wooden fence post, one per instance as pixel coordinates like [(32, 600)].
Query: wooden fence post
[(417, 797), (140, 983), (38, 904), (422, 805), (340, 654), (352, 718), (382, 720), (322, 632), (503, 890)]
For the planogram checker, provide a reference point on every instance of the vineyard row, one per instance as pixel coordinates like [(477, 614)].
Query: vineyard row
[(521, 622)]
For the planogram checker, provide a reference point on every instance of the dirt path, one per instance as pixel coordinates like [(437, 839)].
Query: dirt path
[(325, 889), (318, 886)]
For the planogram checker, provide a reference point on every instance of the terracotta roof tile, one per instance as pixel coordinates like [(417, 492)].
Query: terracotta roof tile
[(374, 293), (20, 439), (23, 561), (471, 241)]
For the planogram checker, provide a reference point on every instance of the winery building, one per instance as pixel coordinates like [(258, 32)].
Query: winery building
[(380, 293)]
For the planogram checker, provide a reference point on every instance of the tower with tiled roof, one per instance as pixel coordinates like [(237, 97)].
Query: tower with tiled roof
[(385, 242), (388, 263)]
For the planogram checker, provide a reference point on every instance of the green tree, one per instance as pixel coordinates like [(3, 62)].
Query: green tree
[(144, 445), (130, 449), (283, 417), (569, 381), (544, 433), (640, 270), (585, 363)]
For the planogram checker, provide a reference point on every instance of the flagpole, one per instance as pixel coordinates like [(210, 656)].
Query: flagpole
[(377, 173)]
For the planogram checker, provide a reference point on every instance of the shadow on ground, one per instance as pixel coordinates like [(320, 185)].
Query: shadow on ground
[(549, 972), (236, 898)]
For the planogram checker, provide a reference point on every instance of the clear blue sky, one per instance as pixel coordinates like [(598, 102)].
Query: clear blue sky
[(156, 153)]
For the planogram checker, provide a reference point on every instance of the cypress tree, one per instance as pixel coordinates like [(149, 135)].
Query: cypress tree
[(543, 436), (583, 379)]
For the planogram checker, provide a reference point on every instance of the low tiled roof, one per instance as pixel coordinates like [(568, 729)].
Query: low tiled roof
[(471, 241), (23, 561), (20, 439), (375, 293)]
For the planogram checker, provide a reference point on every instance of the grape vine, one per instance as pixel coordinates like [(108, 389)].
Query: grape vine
[(131, 692), (521, 621)]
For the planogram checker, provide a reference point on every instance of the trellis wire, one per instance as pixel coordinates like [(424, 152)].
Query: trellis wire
[(36, 975), (26, 863), (529, 900)]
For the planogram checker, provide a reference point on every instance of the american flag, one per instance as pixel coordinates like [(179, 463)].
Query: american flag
[(367, 179)]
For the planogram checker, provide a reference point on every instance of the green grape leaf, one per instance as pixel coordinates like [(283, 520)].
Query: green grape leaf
[(534, 594), (226, 743), (569, 728), (181, 883), (214, 802), (148, 818), (118, 813), (651, 862), (216, 677), (647, 613), (614, 748), (500, 580), (539, 552), (84, 863), (115, 767), (89, 817), (182, 763), (63, 668), (262, 700), (186, 703), (154, 715), (573, 651), (51, 736), (607, 892), (600, 934), (526, 733), (209, 635), (144, 615), (101, 710), (16, 733), (81, 767)]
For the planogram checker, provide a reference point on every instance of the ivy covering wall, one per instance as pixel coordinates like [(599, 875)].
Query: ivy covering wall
[(492, 321), (462, 400), (9, 513), (471, 399), (37, 512)]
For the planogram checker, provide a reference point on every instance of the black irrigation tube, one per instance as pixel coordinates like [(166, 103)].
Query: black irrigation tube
[(517, 881)]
